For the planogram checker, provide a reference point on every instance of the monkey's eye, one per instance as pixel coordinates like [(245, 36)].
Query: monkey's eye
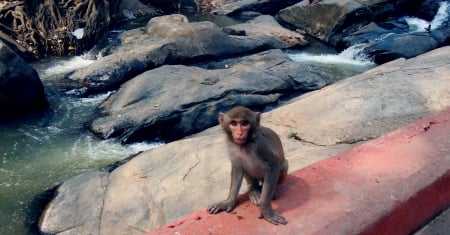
[(233, 123), (245, 123)]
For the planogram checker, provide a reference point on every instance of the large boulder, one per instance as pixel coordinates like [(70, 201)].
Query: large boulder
[(266, 25), (163, 184), (168, 40), (324, 19), (21, 90), (174, 101)]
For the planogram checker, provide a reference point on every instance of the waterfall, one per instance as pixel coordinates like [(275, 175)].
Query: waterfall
[(351, 56), (420, 25)]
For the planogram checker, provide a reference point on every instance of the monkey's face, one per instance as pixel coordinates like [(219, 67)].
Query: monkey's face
[(240, 129)]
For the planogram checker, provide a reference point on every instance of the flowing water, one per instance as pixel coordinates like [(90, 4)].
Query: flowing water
[(40, 152), (333, 66), (419, 25)]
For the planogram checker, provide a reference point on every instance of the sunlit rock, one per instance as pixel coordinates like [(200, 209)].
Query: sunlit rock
[(172, 39)]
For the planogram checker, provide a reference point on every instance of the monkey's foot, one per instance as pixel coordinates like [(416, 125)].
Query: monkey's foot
[(272, 217), (221, 206), (255, 196)]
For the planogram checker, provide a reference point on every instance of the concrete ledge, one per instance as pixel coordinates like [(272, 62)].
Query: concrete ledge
[(391, 185)]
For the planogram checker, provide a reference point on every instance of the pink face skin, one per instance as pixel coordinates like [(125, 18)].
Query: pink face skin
[(239, 129)]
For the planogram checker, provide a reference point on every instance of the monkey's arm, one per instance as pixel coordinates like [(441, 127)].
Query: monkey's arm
[(268, 190), (237, 174)]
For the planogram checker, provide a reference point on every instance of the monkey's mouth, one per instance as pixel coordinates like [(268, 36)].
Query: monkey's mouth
[(239, 140)]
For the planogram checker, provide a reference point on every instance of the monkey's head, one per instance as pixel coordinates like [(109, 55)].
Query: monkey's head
[(240, 124)]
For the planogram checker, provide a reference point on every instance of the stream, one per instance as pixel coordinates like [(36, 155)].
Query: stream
[(40, 152)]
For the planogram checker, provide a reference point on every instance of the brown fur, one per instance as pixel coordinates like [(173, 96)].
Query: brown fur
[(256, 154)]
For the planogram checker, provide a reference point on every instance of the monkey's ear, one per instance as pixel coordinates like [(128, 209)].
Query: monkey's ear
[(258, 118), (221, 117)]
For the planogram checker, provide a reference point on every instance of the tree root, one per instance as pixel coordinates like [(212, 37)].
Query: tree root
[(45, 26)]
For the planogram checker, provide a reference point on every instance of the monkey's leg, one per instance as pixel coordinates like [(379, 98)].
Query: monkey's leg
[(281, 177), (254, 189), (268, 190)]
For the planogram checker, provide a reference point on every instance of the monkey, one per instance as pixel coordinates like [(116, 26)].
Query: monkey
[(256, 154)]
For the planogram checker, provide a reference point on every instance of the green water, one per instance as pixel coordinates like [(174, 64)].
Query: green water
[(41, 152)]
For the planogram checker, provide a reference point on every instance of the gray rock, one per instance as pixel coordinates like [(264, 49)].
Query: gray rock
[(266, 25), (166, 183), (168, 40), (174, 101), (369, 33), (21, 90), (89, 200), (324, 19), (401, 46)]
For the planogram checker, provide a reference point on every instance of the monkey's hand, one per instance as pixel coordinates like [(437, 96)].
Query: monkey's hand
[(217, 207), (270, 215)]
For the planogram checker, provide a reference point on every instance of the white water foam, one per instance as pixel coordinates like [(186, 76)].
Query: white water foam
[(88, 147), (65, 66), (352, 56), (420, 25), (95, 99)]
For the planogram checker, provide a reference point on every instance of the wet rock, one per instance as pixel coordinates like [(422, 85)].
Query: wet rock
[(372, 32), (174, 101), (401, 46), (21, 90)]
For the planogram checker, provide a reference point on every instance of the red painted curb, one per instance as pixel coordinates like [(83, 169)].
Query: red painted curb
[(390, 185)]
